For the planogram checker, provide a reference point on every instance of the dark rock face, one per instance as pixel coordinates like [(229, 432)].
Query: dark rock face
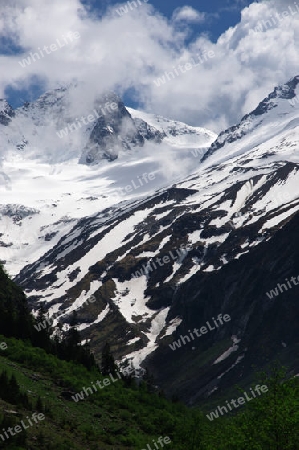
[(265, 328), (6, 113), (17, 211), (148, 132), (115, 130)]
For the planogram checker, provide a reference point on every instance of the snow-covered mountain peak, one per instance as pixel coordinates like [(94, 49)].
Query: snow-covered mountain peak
[(63, 125), (176, 133), (277, 112), (42, 144), (276, 98)]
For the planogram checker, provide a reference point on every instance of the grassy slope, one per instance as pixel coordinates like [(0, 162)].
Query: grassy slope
[(116, 417)]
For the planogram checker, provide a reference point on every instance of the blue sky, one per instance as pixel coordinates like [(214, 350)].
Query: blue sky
[(221, 14), (127, 53)]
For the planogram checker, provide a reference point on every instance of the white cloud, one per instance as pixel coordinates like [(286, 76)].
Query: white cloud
[(131, 51), (188, 14)]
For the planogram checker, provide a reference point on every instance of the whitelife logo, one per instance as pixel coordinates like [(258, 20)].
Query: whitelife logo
[(101, 384), (294, 101), (236, 403), (18, 428), (74, 126), (135, 184), (161, 441), (183, 68), (3, 346), (274, 292), (132, 5), (150, 266), (199, 332), (48, 49), (279, 17)]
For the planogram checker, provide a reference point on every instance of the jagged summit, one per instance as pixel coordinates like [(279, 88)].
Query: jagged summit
[(286, 91), (64, 124), (273, 113), (115, 131)]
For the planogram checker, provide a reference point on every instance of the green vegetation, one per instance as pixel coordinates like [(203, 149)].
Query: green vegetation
[(123, 415), (16, 321)]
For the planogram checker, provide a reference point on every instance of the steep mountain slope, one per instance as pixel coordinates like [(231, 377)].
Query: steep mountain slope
[(263, 326), (53, 404), (121, 158), (143, 261), (35, 382)]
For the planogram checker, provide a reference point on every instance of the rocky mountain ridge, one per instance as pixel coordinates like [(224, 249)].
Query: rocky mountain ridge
[(238, 207)]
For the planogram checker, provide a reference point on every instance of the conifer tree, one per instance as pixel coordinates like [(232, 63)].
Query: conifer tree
[(108, 364)]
